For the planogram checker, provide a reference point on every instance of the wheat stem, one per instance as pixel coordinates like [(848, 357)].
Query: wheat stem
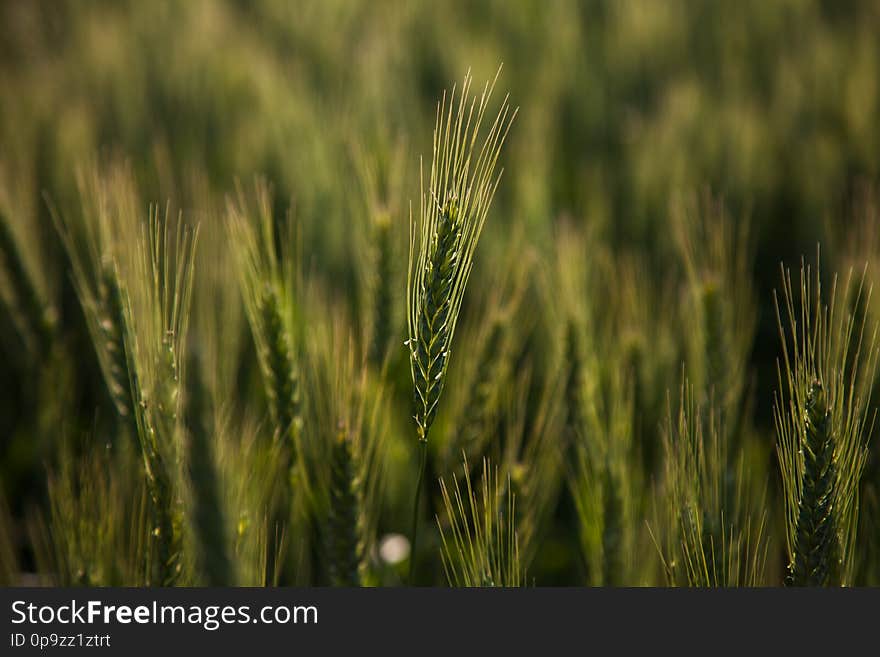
[(612, 529), (423, 462), (208, 517)]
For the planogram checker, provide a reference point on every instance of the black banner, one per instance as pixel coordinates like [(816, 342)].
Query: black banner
[(426, 621)]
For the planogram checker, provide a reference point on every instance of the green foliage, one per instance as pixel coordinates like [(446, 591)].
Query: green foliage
[(243, 412)]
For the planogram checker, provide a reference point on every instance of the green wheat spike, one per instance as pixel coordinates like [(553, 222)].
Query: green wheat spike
[(344, 544), (277, 356), (816, 548), (827, 376), (110, 334), (431, 348), (443, 239)]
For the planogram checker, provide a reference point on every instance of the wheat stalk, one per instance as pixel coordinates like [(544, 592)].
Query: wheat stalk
[(207, 517), (343, 448), (443, 240), (381, 171), (717, 254), (605, 484), (93, 243), (266, 278), (154, 336), (821, 416), (134, 280)]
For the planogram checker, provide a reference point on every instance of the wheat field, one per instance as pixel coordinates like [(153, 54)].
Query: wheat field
[(506, 294)]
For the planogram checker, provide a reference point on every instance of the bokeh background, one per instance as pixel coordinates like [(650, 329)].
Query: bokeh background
[(625, 107)]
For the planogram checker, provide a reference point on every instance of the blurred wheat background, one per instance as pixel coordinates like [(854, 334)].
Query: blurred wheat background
[(659, 371)]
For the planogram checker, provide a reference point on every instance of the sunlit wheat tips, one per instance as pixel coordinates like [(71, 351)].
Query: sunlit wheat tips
[(717, 539), (479, 545), (167, 268)]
